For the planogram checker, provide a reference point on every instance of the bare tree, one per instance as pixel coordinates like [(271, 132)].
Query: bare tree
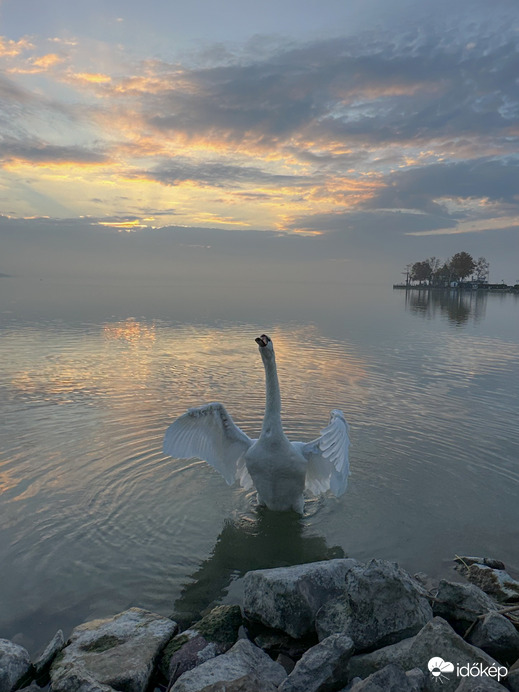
[(481, 269)]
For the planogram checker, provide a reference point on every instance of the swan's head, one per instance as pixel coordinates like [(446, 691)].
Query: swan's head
[(265, 345)]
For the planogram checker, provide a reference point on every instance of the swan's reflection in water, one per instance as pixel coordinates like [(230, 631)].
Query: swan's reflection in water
[(261, 540)]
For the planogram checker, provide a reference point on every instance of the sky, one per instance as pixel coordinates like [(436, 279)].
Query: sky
[(299, 139)]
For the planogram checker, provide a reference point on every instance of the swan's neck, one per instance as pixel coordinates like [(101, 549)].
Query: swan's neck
[(272, 419)]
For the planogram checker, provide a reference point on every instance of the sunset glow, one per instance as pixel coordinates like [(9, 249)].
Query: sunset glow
[(325, 135)]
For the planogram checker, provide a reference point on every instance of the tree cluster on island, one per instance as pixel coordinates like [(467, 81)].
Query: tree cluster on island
[(436, 272)]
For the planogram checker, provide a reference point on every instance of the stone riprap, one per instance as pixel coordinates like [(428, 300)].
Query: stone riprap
[(242, 660), (288, 598), (214, 634), (323, 667), (15, 664), (460, 604), (380, 604), (332, 626), (491, 576), (119, 652)]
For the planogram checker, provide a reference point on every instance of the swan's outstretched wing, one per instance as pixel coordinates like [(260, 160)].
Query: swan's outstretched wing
[(328, 466), (209, 433)]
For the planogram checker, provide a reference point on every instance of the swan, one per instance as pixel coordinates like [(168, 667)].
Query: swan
[(280, 470)]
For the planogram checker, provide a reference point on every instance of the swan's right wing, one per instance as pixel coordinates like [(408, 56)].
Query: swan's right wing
[(328, 464), (209, 433)]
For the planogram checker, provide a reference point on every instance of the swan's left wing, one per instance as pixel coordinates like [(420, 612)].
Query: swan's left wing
[(209, 433), (328, 465)]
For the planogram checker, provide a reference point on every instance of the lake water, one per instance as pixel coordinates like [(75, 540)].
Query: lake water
[(96, 519)]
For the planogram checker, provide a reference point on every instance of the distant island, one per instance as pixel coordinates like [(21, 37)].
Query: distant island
[(461, 271)]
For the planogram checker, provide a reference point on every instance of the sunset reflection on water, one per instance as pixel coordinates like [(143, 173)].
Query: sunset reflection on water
[(86, 491)]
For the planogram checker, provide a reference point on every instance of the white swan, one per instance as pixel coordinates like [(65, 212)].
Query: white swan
[(279, 470)]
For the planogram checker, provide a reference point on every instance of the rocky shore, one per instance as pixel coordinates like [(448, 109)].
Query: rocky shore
[(318, 627)]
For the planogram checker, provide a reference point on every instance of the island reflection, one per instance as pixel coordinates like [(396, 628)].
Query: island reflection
[(456, 306)]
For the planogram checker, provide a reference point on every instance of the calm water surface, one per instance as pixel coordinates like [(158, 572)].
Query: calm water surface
[(96, 519)]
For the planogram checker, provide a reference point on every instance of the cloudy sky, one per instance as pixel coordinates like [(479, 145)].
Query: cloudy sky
[(342, 136)]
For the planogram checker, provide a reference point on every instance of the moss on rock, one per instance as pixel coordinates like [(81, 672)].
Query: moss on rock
[(221, 625)]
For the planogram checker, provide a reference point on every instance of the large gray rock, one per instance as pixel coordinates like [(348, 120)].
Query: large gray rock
[(460, 604), (214, 634), (391, 678), (496, 635), (15, 664), (75, 679), (193, 649), (244, 660), (465, 561), (416, 679), (381, 605), (42, 665), (118, 652), (495, 582), (322, 668), (436, 639), (288, 598)]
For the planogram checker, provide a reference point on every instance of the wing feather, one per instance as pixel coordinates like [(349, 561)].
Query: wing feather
[(328, 464), (209, 433)]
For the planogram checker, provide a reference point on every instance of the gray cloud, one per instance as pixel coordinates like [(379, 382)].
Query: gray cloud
[(217, 174), (41, 152), (383, 89), (418, 187)]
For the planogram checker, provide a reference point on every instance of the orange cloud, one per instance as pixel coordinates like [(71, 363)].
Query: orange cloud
[(123, 225), (36, 65), (9, 48), (209, 217), (91, 77)]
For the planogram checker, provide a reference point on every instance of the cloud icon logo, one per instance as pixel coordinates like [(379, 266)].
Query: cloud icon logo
[(437, 667)]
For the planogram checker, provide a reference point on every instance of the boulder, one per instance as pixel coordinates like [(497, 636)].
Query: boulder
[(460, 604), (496, 635), (495, 582), (43, 663), (288, 598), (416, 679), (243, 660), (381, 605), (193, 649), (464, 562), (436, 639), (391, 678), (322, 668), (221, 625), (214, 634), (118, 652), (15, 664), (74, 679)]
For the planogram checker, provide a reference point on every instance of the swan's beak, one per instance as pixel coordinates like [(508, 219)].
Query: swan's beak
[(262, 340)]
